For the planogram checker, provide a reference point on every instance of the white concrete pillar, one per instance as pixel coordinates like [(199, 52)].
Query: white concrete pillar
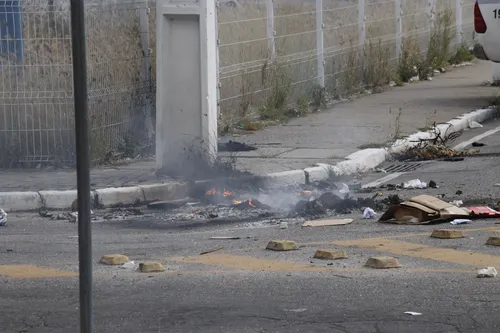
[(496, 72), (186, 96), (320, 55)]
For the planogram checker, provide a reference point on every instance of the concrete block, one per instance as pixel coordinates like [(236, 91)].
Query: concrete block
[(167, 191), (151, 267), (382, 262), (287, 177), (447, 234), (20, 201), (319, 173), (119, 196), (281, 245), (60, 199), (495, 241), (113, 259), (330, 254)]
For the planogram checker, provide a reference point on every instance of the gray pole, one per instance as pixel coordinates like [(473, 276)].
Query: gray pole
[(82, 164)]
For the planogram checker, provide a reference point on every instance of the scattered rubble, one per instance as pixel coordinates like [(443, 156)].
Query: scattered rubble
[(495, 241), (281, 245), (415, 184), (460, 221), (382, 262), (225, 237), (330, 254), (114, 259), (129, 265), (151, 267), (447, 234), (489, 272)]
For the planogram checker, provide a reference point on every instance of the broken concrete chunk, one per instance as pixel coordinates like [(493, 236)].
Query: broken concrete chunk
[(281, 245), (330, 254), (447, 234), (495, 241), (151, 267), (382, 262), (113, 259)]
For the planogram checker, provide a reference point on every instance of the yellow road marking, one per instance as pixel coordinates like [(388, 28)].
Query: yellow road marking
[(33, 272), (425, 252), (493, 229)]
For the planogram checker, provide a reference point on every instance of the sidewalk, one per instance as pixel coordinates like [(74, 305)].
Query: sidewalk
[(331, 135), (325, 137)]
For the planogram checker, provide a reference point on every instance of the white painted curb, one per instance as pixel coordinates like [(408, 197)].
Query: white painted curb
[(106, 197), (367, 159)]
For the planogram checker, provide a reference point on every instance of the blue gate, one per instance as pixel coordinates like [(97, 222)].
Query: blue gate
[(11, 29)]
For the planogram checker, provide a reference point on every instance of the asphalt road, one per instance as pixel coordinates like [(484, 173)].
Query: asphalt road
[(245, 288)]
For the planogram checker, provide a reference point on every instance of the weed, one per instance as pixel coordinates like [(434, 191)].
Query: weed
[(376, 72), (461, 55), (372, 145), (409, 60), (318, 96), (397, 124), (275, 78), (303, 105)]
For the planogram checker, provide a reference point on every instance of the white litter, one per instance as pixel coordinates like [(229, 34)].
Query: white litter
[(487, 272), (283, 225), (344, 189), (296, 310), (3, 217), (457, 203), (411, 313), (415, 183), (369, 213), (129, 265), (460, 221), (474, 124)]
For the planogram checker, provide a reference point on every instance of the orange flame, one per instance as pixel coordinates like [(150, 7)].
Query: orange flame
[(305, 193), (227, 193), (212, 191), (236, 202), (251, 204)]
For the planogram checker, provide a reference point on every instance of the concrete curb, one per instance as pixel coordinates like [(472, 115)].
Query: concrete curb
[(360, 161), (101, 198), (367, 159)]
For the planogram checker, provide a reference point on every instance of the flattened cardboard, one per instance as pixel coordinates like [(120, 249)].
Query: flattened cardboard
[(425, 209), (325, 223)]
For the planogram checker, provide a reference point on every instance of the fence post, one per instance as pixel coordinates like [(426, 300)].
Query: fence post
[(459, 27), (399, 29), (146, 63), (217, 65), (320, 43), (362, 28), (270, 29)]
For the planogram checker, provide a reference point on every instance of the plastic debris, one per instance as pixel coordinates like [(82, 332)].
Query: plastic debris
[(369, 213), (3, 217), (433, 184), (411, 313), (283, 225), (457, 203), (344, 189), (129, 265), (487, 272), (460, 221), (73, 217), (414, 183), (478, 144), (474, 124)]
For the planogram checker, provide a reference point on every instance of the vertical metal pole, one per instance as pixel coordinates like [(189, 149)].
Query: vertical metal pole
[(270, 29), (459, 26), (320, 43), (82, 164), (399, 29)]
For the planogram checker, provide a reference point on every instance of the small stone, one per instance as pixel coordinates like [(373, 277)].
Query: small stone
[(281, 245), (382, 262), (495, 241), (447, 234), (151, 267), (113, 259), (330, 254)]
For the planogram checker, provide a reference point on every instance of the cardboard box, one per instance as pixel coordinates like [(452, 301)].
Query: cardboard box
[(423, 209)]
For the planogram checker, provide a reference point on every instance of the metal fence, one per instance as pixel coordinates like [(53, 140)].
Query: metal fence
[(313, 40), (317, 42), (36, 85)]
